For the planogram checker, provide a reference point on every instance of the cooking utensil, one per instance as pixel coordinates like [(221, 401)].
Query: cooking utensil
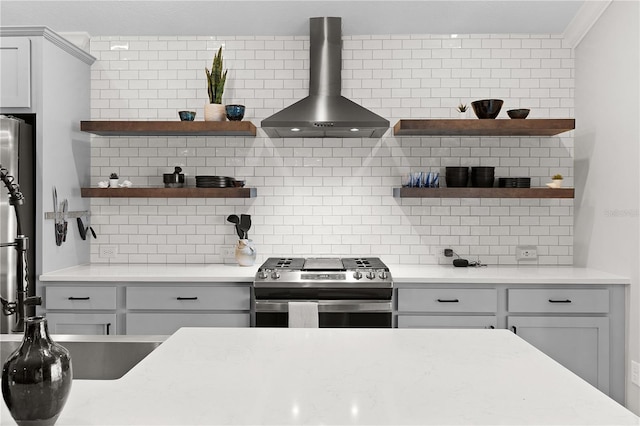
[(56, 218), (236, 220), (245, 224), (175, 179), (65, 209), (91, 227), (81, 228)]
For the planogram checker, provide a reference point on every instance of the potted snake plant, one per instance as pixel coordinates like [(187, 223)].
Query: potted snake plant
[(216, 79)]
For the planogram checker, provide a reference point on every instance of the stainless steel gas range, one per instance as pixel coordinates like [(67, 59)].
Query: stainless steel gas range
[(349, 292)]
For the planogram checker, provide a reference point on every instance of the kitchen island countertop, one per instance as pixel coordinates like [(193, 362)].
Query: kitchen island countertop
[(342, 376), (401, 274)]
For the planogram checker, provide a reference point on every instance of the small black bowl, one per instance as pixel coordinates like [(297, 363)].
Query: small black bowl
[(187, 115), (487, 108), (234, 112), (456, 177), (518, 113)]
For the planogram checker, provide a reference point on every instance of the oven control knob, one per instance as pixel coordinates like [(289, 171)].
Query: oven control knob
[(383, 275), (371, 275), (357, 275), (275, 275), (262, 275)]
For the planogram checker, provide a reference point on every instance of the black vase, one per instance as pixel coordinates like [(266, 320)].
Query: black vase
[(36, 378)]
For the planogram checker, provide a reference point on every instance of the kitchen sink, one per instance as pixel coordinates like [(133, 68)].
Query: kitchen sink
[(95, 357)]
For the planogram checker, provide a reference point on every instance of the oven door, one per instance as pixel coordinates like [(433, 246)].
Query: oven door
[(331, 313)]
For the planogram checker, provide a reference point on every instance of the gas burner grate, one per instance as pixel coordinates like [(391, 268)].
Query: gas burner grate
[(283, 263), (288, 263), (362, 263)]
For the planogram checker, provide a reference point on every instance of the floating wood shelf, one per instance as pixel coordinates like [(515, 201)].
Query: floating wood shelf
[(483, 192), (477, 127), (169, 128), (147, 192)]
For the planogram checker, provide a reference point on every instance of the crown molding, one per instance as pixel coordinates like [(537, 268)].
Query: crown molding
[(50, 35), (587, 16)]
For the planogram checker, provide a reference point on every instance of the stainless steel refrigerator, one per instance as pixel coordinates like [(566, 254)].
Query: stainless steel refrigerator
[(17, 158)]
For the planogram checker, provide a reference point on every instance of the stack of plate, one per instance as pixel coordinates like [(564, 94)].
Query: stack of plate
[(214, 182), (514, 182), (482, 177)]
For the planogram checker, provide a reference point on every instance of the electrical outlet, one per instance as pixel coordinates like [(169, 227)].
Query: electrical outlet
[(438, 251), (448, 252), (227, 251), (526, 253), (108, 252), (635, 373)]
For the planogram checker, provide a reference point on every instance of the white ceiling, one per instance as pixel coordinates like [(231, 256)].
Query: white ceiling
[(290, 17)]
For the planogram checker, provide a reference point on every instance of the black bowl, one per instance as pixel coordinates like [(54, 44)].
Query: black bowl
[(234, 112), (187, 115), (482, 170), (518, 113), (457, 177), (487, 108)]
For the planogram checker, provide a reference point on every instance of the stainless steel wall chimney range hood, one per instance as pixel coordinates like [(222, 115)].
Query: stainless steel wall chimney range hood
[(325, 112)]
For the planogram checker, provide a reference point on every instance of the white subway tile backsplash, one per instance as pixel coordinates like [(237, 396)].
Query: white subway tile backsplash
[(332, 196)]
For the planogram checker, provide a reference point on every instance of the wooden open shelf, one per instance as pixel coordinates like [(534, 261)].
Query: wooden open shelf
[(169, 128), (155, 192), (477, 127), (483, 192)]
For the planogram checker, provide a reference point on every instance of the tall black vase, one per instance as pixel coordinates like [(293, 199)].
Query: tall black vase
[(36, 378)]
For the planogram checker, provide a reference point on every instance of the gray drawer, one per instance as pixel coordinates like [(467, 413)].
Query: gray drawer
[(79, 298), (558, 300), (447, 321), (189, 298), (447, 300), (169, 323)]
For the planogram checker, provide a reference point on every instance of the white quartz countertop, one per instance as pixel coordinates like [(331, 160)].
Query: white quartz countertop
[(154, 272), (250, 376), (400, 273)]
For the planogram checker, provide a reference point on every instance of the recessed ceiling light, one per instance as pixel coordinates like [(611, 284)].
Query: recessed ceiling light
[(354, 130), (295, 129)]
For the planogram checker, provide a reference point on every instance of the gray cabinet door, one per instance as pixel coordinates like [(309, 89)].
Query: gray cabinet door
[(85, 324), (169, 323), (581, 344), (447, 300), (15, 68), (447, 321)]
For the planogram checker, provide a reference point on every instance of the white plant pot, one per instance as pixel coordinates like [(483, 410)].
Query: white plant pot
[(462, 114), (557, 183), (214, 112), (113, 183)]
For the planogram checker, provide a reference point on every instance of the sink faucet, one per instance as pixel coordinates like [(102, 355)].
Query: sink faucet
[(21, 245)]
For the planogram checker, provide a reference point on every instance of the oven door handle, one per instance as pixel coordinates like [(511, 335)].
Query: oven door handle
[(327, 305)]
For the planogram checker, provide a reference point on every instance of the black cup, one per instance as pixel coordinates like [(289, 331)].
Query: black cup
[(482, 177), (457, 177)]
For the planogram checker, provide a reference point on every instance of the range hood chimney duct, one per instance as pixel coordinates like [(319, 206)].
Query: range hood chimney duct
[(325, 112)]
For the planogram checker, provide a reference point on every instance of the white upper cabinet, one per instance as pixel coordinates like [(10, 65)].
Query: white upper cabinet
[(15, 72)]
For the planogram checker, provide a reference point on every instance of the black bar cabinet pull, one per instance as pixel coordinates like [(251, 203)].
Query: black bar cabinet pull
[(79, 298), (513, 328), (448, 300), (559, 301), (108, 327), (491, 327), (187, 298)]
